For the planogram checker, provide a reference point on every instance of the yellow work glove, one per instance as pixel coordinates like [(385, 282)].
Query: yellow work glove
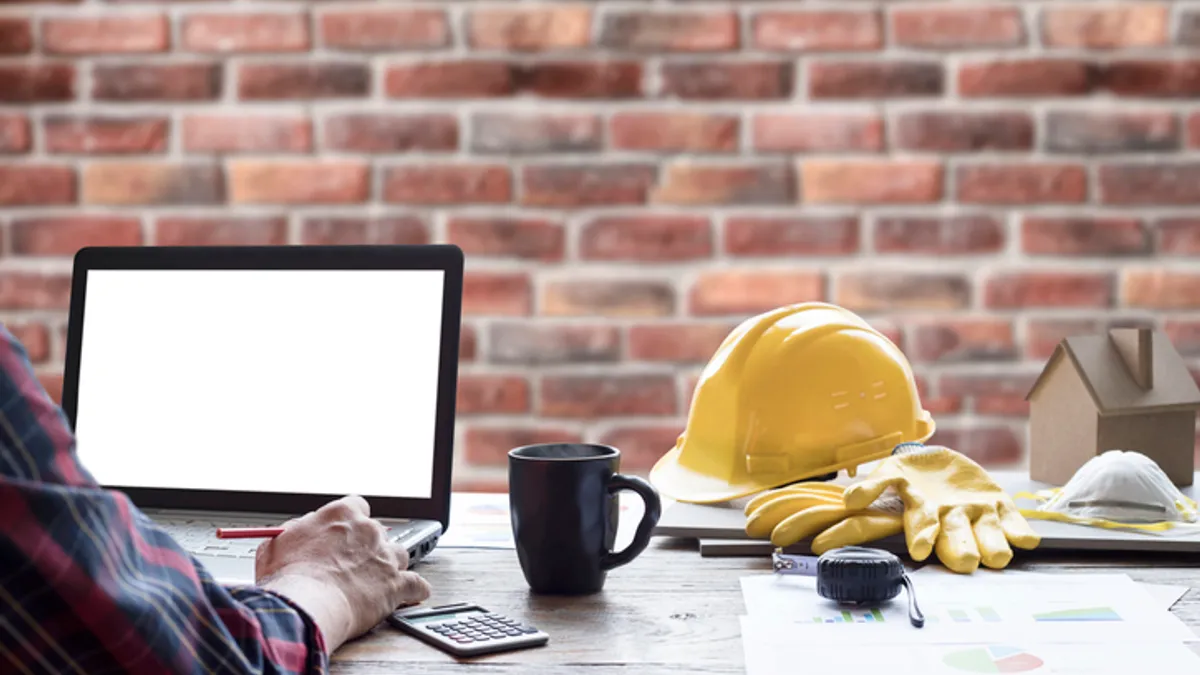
[(951, 506), (793, 513)]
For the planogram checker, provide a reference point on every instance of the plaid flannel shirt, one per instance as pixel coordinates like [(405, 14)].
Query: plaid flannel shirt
[(89, 585)]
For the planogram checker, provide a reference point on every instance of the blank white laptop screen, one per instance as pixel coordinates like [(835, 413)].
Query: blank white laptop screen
[(295, 381)]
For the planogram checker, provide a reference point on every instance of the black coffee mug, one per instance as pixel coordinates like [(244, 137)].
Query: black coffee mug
[(565, 511)]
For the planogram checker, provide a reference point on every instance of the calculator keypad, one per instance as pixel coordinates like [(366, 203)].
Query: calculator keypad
[(482, 628)]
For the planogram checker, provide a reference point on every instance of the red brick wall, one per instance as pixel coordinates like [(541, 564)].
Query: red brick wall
[(630, 179)]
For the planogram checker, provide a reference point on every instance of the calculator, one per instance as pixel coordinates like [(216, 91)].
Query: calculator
[(466, 629)]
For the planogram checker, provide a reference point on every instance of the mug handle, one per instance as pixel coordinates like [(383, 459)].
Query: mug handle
[(641, 538)]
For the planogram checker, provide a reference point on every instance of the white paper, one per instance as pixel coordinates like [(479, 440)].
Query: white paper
[(482, 520), (1070, 608), (1165, 595), (770, 651)]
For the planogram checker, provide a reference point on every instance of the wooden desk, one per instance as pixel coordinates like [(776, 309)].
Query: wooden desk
[(669, 611)]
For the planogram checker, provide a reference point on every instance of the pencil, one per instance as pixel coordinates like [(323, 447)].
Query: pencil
[(248, 532)]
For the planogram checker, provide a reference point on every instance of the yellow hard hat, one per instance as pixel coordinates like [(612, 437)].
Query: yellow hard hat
[(799, 392)]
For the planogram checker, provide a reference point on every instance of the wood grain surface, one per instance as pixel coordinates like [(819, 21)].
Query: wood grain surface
[(669, 611)]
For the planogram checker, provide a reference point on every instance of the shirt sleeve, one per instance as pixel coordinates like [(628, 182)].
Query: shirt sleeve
[(89, 584)]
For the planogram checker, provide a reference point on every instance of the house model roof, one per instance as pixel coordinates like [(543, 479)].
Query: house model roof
[(1112, 384)]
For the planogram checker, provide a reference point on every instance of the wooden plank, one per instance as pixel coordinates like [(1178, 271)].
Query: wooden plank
[(670, 611)]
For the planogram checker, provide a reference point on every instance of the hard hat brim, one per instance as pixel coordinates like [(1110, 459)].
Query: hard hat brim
[(684, 485)]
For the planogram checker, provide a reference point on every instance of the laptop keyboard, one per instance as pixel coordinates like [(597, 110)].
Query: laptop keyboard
[(199, 536)]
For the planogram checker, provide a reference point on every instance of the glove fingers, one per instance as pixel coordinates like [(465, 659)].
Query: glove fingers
[(920, 530), (956, 546), (993, 546), (1016, 529), (810, 489), (806, 523), (860, 495), (762, 521), (857, 530)]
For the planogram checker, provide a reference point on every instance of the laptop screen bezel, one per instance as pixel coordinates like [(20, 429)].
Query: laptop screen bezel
[(446, 258)]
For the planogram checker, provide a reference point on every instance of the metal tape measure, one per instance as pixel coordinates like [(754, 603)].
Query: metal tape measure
[(854, 575)]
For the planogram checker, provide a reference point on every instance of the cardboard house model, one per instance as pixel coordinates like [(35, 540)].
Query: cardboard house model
[(1127, 389)]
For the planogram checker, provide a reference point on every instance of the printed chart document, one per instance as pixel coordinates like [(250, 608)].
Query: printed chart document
[(1078, 624), (482, 520)]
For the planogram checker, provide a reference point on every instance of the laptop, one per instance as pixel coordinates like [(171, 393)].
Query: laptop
[(244, 386)]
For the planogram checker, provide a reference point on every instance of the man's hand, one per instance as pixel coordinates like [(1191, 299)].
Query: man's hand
[(337, 564)]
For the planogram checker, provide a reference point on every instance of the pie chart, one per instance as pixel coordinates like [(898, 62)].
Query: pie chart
[(993, 659)]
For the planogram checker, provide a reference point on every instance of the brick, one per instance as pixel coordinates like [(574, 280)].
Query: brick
[(1150, 184), (52, 384), (401, 230), (677, 342), (692, 183), (1026, 77), (565, 185), (1153, 78), (246, 33), (670, 31), (138, 34), (450, 80), (40, 82), (64, 235), (648, 238), (962, 340), (15, 134), (1178, 236), (608, 298), (1076, 236), (492, 394), (331, 79), (886, 290), (748, 292), (1161, 289), (671, 131), (530, 344), (965, 234), (388, 133), (36, 185), (641, 446), (486, 484), (535, 133), (387, 29), (580, 79), (1018, 290), (16, 35), (497, 294), (489, 445), (105, 135), (937, 405), (221, 230), (958, 28), (1184, 335), (1100, 132), (818, 31), (1043, 335), (34, 290), (818, 132), (791, 235), (716, 81), (937, 131), (222, 133), (152, 183), (498, 236), (993, 393), (987, 445), (34, 337), (168, 82), (1193, 131), (870, 182), (468, 344), (1026, 183), (299, 182), (878, 79), (448, 184), (1106, 27), (592, 396), (530, 29), (1188, 33)]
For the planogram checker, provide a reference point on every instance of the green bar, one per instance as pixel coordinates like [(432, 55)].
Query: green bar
[(816, 619), (847, 617), (877, 614)]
